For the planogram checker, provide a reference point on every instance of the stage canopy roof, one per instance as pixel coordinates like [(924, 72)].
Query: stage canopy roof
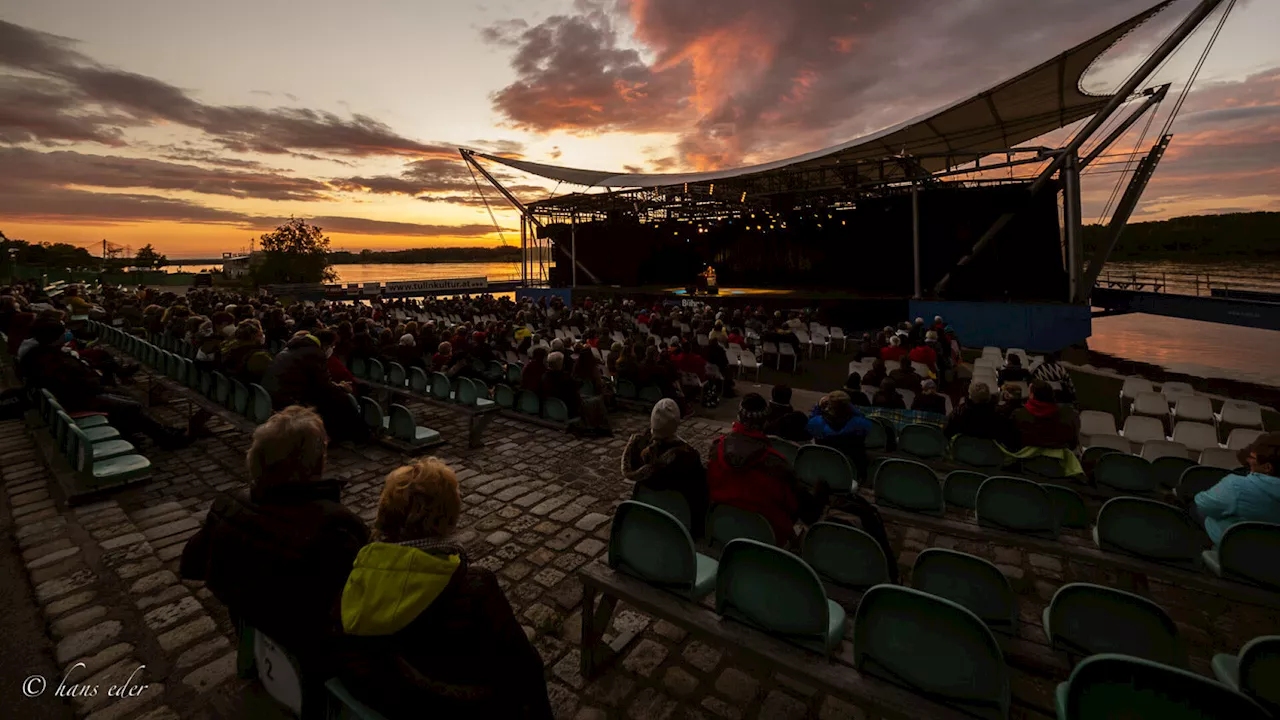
[(1038, 101)]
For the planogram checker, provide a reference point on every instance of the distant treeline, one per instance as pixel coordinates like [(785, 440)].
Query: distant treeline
[(428, 255), (1255, 236)]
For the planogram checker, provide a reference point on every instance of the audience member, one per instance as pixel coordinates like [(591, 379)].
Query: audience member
[(888, 397), (925, 353), (853, 388), (877, 375), (660, 460), (299, 375), (531, 374), (928, 399), (278, 553), (976, 416), (906, 377), (783, 420), (894, 351), (1013, 371), (1052, 370), (836, 423), (1043, 423), (428, 629), (1241, 498), (746, 473)]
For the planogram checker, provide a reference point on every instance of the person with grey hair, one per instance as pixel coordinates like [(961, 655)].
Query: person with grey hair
[(592, 417), (977, 416), (659, 460)]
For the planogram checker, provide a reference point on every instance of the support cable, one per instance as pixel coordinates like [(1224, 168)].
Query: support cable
[(492, 217)]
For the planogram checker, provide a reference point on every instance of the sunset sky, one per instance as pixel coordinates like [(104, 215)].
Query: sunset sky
[(195, 126)]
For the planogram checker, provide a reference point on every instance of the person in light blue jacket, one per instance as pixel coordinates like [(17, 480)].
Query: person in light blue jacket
[(835, 422), (1238, 498)]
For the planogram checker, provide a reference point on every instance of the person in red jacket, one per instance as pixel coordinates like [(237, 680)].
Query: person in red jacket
[(893, 352), (925, 355), (747, 473)]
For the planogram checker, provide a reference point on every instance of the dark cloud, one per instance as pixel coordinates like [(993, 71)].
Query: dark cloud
[(504, 148), (67, 168), (361, 226), (433, 180), (748, 80), (504, 32), (67, 83)]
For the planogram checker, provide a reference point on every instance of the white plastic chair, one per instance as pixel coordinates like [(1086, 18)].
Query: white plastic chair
[(703, 340), (1196, 436), (1133, 386), (772, 349), (985, 362), (1139, 429), (1115, 442), (1241, 414), (1151, 404), (837, 335), (921, 369), (1241, 438), (908, 397), (785, 350), (749, 362), (806, 342), (1094, 422), (1156, 449), (1196, 408), (994, 355), (1220, 458), (1175, 390)]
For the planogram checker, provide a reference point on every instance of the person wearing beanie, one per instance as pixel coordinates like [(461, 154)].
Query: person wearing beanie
[(746, 472), (660, 461), (784, 420), (928, 400), (836, 423)]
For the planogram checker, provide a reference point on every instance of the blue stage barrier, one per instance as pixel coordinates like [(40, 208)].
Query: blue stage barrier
[(536, 294), (1032, 327)]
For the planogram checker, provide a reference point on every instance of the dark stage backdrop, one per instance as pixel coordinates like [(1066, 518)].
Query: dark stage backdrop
[(865, 251)]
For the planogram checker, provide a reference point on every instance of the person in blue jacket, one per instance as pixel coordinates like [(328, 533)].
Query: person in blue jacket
[(837, 423), (1238, 498)]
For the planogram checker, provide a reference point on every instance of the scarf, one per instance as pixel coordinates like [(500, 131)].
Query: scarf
[(1041, 409)]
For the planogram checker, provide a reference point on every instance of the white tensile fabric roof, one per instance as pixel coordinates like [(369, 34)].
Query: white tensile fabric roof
[(1038, 101)]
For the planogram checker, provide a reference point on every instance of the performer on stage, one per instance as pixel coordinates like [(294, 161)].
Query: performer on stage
[(709, 276)]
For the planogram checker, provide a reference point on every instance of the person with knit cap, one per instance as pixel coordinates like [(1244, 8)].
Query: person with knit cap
[(660, 460), (747, 473)]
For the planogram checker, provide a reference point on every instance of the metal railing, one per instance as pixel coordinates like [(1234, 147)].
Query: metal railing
[(1206, 284)]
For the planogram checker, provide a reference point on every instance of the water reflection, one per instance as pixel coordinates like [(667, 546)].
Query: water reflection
[(1191, 347)]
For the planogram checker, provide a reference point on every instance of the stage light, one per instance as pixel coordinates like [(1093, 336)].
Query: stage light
[(744, 197), (712, 190)]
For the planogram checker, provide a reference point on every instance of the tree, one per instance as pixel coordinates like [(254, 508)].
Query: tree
[(147, 257), (295, 252)]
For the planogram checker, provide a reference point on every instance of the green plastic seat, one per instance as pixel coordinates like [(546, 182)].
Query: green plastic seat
[(1092, 455), (771, 589), (515, 371), (844, 555), (180, 370), (259, 403), (91, 421), (99, 450), (817, 463), (627, 390), (1041, 466), (1127, 473), (977, 452), (1169, 469), (474, 393), (396, 375), (649, 543), (441, 388), (555, 410), (504, 396), (360, 368), (1197, 479), (1085, 619), (349, 708), (1255, 672), (785, 447), (669, 500), (404, 428), (98, 433), (923, 441), (726, 523), (373, 416), (239, 401), (971, 582), (1016, 504), (960, 488), (190, 377), (118, 468), (527, 402), (586, 389), (418, 380), (376, 372), (221, 388), (495, 371), (1247, 552), (205, 384), (877, 437), (650, 394), (1148, 529), (1068, 504), (933, 646), (1117, 687), (909, 485)]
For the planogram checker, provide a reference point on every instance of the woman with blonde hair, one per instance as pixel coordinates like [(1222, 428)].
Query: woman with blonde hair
[(429, 632)]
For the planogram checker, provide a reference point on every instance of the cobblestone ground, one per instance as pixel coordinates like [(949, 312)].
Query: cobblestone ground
[(537, 504)]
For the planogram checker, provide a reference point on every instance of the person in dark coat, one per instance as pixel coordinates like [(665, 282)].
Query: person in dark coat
[(1013, 371), (278, 553), (876, 376), (906, 377), (976, 416), (660, 460), (428, 631), (853, 388), (747, 473), (531, 373), (785, 421), (929, 400), (888, 398), (299, 375), (1043, 423), (556, 383)]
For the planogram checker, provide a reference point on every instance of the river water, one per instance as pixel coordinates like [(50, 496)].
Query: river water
[(1183, 346)]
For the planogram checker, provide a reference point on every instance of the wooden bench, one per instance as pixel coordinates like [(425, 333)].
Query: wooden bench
[(603, 587)]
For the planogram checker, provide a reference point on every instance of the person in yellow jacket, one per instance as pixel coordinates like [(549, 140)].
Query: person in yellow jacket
[(431, 635)]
